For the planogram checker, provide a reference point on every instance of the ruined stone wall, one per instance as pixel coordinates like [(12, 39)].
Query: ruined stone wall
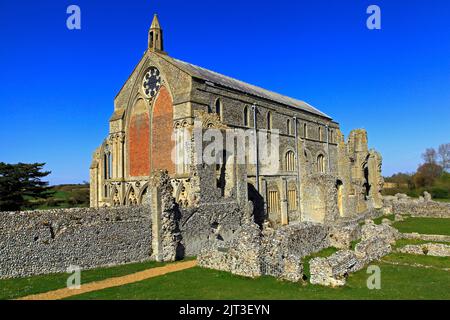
[(300, 239), (49, 241), (422, 207), (204, 224), (359, 171), (253, 253)]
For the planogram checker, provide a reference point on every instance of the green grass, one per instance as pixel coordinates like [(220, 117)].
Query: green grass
[(63, 196), (13, 288), (354, 243), (411, 259), (379, 219), (442, 200), (403, 242), (397, 282), (424, 226)]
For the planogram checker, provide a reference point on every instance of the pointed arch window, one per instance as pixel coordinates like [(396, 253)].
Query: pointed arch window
[(320, 133)]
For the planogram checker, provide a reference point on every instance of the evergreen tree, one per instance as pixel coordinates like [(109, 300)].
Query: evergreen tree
[(21, 182)]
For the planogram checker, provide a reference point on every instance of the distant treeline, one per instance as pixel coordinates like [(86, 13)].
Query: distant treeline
[(432, 176)]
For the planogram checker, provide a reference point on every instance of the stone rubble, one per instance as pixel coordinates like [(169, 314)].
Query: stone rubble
[(428, 249)]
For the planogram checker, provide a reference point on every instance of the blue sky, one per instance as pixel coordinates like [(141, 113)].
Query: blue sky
[(57, 86)]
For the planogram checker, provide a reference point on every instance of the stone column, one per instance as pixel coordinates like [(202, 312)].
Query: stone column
[(166, 235), (156, 209), (93, 186), (120, 156)]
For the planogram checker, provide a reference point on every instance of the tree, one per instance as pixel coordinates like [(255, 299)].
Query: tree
[(444, 155), (19, 183), (427, 174), (430, 156)]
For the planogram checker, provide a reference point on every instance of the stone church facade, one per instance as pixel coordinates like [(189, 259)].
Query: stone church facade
[(319, 176)]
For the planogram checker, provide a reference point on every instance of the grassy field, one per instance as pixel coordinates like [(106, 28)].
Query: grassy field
[(64, 196), (424, 225), (397, 282)]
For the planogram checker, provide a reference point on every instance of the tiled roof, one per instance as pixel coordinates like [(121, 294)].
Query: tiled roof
[(219, 79)]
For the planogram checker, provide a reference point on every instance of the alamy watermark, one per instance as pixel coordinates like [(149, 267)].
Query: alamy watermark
[(73, 21), (374, 20), (374, 280), (74, 280), (220, 146)]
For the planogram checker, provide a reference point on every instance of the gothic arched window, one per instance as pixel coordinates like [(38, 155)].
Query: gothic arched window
[(290, 161)]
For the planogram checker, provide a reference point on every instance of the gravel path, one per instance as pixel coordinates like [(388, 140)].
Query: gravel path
[(112, 282)]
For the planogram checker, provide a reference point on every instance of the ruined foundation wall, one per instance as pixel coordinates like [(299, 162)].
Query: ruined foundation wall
[(201, 226), (422, 207), (49, 241)]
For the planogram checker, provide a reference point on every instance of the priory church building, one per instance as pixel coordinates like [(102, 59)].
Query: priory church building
[(319, 175)]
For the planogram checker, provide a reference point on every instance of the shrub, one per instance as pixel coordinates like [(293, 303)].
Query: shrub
[(439, 193)]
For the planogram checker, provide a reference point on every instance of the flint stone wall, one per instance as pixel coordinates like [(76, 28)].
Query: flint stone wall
[(202, 226), (429, 249), (300, 239), (341, 236), (240, 255), (422, 207), (49, 241), (334, 270), (276, 253)]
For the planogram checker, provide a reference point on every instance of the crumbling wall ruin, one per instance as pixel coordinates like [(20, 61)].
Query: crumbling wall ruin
[(422, 207), (375, 243), (253, 253)]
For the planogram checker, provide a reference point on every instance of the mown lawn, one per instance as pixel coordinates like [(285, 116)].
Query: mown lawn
[(20, 287), (397, 282), (424, 225)]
